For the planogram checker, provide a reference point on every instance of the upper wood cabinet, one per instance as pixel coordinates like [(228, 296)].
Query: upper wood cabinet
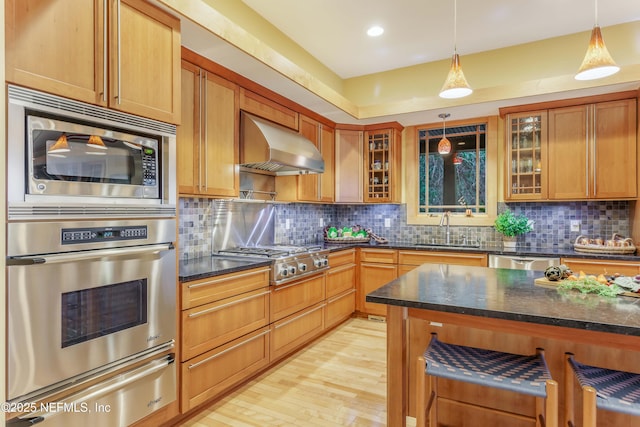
[(526, 156), (592, 151), (124, 54), (263, 107), (349, 172), (578, 152), (382, 166), (318, 187), (208, 149)]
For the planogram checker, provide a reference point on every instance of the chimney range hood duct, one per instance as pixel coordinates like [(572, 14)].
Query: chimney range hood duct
[(270, 147)]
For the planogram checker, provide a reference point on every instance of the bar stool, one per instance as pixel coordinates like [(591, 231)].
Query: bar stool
[(616, 391), (522, 374)]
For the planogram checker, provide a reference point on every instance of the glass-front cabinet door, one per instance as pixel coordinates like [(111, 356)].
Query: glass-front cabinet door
[(379, 150), (526, 155)]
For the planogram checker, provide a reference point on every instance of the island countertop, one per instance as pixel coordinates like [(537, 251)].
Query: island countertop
[(509, 295)]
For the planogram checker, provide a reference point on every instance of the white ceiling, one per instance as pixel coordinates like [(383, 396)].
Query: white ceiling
[(416, 31), (419, 31)]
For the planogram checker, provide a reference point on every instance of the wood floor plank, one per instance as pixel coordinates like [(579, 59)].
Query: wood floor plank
[(339, 380)]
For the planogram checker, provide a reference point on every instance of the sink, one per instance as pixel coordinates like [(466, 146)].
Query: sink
[(449, 245)]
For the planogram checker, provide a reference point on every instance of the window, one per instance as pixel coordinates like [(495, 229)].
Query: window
[(467, 178), (455, 181)]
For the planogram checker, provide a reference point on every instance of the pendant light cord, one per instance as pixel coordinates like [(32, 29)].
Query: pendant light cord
[(596, 13), (455, 25)]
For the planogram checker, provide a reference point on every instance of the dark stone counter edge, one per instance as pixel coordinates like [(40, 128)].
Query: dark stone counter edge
[(204, 270), (559, 252), (540, 320)]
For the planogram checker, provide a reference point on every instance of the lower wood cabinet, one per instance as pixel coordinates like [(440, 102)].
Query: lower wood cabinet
[(293, 331), (292, 297), (377, 268), (208, 375), (408, 260), (604, 266), (341, 287), (340, 308)]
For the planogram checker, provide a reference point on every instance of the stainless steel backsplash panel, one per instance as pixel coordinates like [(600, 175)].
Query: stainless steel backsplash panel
[(237, 223)]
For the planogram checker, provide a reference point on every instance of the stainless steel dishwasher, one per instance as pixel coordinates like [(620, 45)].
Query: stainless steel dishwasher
[(517, 262)]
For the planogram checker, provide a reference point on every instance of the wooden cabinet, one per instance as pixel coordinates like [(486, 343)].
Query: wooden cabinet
[(208, 147), (292, 297), (592, 151), (377, 267), (576, 152), (260, 106), (604, 266), (408, 260), (295, 330), (340, 287), (349, 172), (318, 187), (124, 54), (382, 166), (224, 333), (526, 156)]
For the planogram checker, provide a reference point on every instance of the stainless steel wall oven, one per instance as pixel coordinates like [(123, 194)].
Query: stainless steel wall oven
[(91, 263)]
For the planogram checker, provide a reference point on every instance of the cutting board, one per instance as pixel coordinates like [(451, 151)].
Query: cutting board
[(543, 281)]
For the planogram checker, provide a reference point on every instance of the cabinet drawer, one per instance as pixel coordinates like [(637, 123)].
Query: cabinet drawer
[(290, 298), (340, 279), (455, 258), (380, 256), (295, 330), (263, 107), (211, 325), (198, 292), (594, 266), (342, 257), (339, 308), (206, 376)]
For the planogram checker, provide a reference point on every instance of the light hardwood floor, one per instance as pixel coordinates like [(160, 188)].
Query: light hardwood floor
[(339, 380)]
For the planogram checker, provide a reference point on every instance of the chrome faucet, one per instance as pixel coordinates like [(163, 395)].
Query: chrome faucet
[(445, 218)]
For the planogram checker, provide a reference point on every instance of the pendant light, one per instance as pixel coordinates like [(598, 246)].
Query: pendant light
[(457, 160), (96, 142), (597, 61), (61, 145), (455, 86), (444, 146)]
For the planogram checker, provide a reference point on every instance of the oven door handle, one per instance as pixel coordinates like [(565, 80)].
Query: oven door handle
[(86, 255)]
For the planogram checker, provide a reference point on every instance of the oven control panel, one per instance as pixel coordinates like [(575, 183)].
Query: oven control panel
[(102, 234)]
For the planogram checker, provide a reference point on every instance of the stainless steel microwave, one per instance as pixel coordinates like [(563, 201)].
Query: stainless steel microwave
[(69, 154)]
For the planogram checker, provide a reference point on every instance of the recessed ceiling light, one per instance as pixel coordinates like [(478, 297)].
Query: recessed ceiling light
[(375, 31)]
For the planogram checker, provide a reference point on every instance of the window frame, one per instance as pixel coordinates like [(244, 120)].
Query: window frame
[(412, 148)]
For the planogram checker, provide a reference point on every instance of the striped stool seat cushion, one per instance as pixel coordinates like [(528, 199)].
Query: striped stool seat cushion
[(522, 374), (615, 390)]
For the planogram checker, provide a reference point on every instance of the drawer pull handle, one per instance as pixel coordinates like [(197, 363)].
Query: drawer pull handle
[(210, 358), (237, 276), (299, 317), (220, 307), (334, 299)]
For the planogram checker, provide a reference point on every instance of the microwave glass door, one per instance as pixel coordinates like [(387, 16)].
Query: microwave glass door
[(69, 159)]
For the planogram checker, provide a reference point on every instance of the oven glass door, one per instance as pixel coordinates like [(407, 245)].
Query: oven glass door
[(71, 159), (73, 313)]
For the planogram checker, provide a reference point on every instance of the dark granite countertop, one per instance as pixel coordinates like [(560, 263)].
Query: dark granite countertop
[(201, 268), (551, 251), (508, 294)]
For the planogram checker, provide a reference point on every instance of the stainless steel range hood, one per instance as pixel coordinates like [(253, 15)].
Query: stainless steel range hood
[(270, 147)]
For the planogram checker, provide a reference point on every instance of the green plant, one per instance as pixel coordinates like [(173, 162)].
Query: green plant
[(512, 225)]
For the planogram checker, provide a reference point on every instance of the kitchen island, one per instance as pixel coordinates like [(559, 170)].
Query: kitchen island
[(500, 309)]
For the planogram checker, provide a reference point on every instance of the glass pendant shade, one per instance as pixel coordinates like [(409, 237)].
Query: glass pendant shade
[(96, 142), (597, 62), (457, 160), (61, 145), (455, 86), (444, 146)]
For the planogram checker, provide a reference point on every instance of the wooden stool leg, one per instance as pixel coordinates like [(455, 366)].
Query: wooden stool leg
[(551, 404), (588, 406), (421, 392), (569, 419), (432, 408)]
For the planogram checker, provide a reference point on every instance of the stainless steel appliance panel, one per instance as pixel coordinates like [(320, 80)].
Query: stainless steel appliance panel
[(65, 318), (522, 262), (117, 401)]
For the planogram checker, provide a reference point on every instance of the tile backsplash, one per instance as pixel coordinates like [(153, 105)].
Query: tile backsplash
[(303, 223)]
